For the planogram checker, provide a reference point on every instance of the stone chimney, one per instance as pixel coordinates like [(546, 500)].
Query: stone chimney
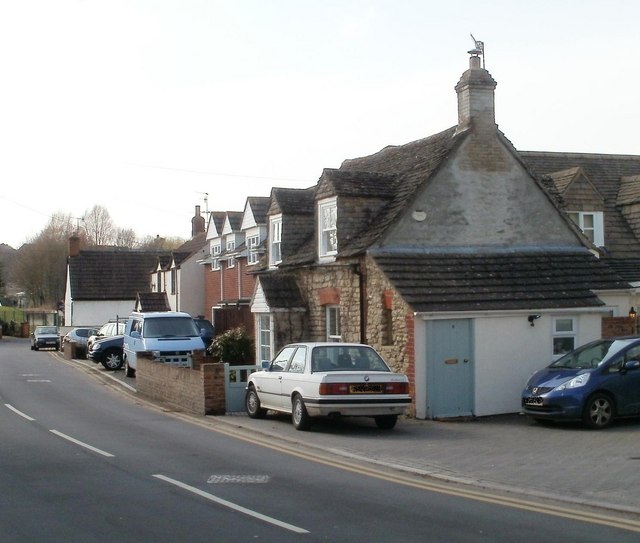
[(74, 245), (198, 223), (476, 106)]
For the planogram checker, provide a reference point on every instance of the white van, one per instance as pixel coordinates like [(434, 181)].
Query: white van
[(171, 337)]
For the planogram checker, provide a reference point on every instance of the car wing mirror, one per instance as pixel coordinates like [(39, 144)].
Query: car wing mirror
[(632, 365), (135, 335), (265, 364)]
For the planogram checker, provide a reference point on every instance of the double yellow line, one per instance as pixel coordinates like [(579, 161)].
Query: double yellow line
[(556, 509)]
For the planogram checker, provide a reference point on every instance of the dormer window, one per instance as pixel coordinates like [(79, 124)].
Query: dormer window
[(216, 257), (275, 239), (592, 225), (231, 245), (328, 227), (252, 244)]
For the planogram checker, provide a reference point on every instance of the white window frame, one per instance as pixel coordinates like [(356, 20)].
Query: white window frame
[(231, 245), (332, 316), (327, 250), (275, 240), (252, 244), (564, 335), (216, 249), (595, 232), (264, 336)]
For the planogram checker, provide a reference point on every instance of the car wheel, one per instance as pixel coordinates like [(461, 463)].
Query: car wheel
[(386, 422), (299, 416), (35, 348), (32, 347), (112, 360), (252, 404), (129, 371), (598, 412)]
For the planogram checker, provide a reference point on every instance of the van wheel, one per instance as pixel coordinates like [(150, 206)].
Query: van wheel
[(129, 371), (598, 412), (299, 416)]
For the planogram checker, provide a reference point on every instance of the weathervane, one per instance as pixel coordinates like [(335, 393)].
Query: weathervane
[(478, 49)]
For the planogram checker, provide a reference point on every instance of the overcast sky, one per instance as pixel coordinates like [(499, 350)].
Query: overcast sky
[(144, 106)]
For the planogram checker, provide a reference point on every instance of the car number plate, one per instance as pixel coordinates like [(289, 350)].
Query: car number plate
[(366, 388), (535, 400)]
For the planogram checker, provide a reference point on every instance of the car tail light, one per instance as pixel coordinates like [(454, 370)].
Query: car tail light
[(334, 388), (400, 387)]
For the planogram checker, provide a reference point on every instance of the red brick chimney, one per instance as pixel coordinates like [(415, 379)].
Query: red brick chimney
[(198, 223), (74, 245)]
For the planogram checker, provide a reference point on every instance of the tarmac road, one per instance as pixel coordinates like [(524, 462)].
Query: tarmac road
[(564, 462)]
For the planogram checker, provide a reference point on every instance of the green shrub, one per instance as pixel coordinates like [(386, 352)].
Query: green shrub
[(234, 346)]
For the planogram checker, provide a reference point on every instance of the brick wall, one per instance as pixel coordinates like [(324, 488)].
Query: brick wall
[(199, 390), (618, 326)]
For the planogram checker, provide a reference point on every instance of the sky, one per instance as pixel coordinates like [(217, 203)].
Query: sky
[(152, 107)]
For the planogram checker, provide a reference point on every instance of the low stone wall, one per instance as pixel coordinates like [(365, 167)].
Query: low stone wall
[(199, 390)]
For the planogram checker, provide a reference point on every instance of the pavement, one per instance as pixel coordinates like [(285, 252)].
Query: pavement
[(505, 453)]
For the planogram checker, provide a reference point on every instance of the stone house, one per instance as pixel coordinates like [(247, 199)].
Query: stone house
[(466, 263)]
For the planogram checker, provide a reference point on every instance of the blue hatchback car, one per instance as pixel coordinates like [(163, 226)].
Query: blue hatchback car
[(595, 384)]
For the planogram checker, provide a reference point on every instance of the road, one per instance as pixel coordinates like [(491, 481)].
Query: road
[(80, 462)]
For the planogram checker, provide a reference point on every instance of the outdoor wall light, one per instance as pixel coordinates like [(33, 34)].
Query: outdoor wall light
[(532, 319), (632, 313)]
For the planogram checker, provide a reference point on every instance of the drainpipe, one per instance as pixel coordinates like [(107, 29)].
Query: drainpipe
[(360, 270)]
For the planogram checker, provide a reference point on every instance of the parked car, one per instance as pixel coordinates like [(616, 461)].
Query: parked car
[(108, 352), (80, 336), (107, 330), (319, 379), (207, 332), (45, 337), (172, 337), (595, 383)]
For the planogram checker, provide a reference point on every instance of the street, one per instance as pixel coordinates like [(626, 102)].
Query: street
[(79, 462)]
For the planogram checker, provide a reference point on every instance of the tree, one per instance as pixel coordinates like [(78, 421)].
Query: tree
[(41, 263), (99, 227), (126, 237)]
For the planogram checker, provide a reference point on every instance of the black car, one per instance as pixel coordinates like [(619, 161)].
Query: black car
[(108, 352), (206, 329)]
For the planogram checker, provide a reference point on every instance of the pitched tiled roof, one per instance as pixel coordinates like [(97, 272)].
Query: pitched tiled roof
[(511, 281), (152, 301), (281, 291), (606, 173), (259, 206), (190, 247), (413, 165), (111, 274)]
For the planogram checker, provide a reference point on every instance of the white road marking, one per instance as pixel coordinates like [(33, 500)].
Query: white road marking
[(217, 479), (233, 506), (38, 380), (85, 445), (19, 412)]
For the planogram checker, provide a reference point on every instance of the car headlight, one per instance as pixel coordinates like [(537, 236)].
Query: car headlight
[(576, 382), (96, 347)]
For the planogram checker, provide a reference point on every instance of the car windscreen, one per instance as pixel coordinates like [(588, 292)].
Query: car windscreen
[(46, 330), (169, 327), (346, 358), (590, 355)]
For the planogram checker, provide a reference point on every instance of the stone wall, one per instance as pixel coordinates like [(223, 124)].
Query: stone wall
[(199, 390)]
